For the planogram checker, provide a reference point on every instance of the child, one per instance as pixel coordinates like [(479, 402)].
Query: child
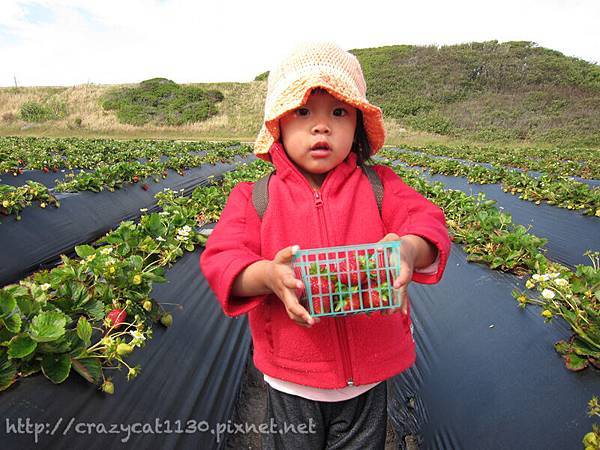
[(327, 374)]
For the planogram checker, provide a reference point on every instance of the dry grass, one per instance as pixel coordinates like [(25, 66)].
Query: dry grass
[(239, 114)]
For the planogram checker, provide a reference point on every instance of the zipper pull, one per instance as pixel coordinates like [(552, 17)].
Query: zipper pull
[(350, 382), (318, 201)]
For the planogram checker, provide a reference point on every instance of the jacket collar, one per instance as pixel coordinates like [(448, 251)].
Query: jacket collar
[(285, 168)]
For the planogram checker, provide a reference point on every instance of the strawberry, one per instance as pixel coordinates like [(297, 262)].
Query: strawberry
[(352, 303), (20, 171), (55, 169), (376, 299), (136, 179), (317, 305), (166, 320), (117, 317), (320, 288), (350, 271), (124, 349), (145, 186), (46, 170), (108, 387)]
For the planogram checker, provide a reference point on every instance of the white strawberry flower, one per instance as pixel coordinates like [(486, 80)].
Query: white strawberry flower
[(545, 277), (106, 251), (536, 277), (160, 239), (548, 294), (561, 282), (45, 287)]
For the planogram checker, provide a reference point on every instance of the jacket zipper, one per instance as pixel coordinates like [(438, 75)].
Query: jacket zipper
[(339, 325)]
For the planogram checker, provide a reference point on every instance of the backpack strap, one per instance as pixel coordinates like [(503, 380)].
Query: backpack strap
[(260, 194), (260, 190), (376, 185)]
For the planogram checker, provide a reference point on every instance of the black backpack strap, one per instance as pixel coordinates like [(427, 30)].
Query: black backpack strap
[(260, 195), (376, 185)]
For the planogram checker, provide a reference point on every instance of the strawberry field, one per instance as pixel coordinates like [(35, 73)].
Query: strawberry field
[(103, 309)]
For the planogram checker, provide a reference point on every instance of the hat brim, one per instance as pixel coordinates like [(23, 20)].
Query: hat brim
[(296, 95)]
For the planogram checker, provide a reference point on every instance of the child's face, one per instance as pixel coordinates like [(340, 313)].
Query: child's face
[(322, 119)]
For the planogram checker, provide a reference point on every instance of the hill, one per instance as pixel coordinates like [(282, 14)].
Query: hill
[(487, 92)]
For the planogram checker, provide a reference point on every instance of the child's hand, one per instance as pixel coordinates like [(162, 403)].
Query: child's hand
[(407, 260), (281, 280)]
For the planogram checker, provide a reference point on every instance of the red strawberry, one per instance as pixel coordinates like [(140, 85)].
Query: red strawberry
[(317, 305), (136, 179), (46, 170), (320, 288), (55, 169), (145, 186), (350, 271), (20, 170), (352, 303), (376, 300), (117, 317)]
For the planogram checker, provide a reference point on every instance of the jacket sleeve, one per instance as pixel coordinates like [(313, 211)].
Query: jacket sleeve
[(405, 211), (233, 245)]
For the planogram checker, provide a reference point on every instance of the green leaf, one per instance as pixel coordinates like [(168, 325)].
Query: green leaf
[(21, 346), (47, 326), (136, 262), (56, 367), (562, 347), (575, 362), (88, 368), (83, 251), (8, 372), (13, 322), (95, 309), (84, 330), (29, 367), (7, 302)]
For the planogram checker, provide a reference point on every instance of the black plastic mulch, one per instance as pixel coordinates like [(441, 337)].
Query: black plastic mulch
[(43, 234), (191, 374), (487, 375), (569, 233)]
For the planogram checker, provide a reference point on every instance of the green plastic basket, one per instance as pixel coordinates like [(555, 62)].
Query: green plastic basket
[(349, 279)]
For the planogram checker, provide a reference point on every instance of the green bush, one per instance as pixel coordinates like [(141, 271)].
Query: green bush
[(162, 102), (262, 76), (41, 112)]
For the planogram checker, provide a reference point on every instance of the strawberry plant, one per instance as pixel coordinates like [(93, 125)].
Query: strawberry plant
[(574, 297)]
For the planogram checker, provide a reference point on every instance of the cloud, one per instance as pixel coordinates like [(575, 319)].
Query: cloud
[(66, 42)]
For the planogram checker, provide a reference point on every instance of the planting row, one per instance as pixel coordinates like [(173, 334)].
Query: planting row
[(556, 190), (110, 177), (580, 162), (18, 154), (91, 312), (490, 237)]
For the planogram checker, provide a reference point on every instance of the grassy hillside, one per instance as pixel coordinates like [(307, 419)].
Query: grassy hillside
[(511, 93), (487, 91)]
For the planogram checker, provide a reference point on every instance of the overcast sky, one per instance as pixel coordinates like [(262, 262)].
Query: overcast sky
[(69, 42)]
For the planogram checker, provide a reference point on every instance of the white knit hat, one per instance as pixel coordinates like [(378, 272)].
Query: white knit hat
[(309, 66)]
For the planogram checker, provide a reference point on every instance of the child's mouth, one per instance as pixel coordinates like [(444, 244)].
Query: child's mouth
[(320, 150)]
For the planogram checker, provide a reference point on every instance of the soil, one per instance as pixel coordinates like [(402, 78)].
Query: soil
[(251, 408)]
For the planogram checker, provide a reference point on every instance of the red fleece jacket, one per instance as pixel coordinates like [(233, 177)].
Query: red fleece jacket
[(356, 349)]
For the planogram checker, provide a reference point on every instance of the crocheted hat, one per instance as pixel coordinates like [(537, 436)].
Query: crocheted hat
[(309, 66)]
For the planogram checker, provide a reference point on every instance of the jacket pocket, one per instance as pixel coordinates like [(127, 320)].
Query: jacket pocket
[(296, 343)]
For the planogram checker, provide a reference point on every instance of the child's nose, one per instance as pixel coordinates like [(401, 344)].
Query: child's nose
[(321, 127)]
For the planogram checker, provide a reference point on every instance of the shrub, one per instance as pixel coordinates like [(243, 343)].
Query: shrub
[(162, 102), (41, 112)]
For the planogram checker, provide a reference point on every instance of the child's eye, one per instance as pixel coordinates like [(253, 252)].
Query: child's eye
[(302, 111), (342, 112)]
